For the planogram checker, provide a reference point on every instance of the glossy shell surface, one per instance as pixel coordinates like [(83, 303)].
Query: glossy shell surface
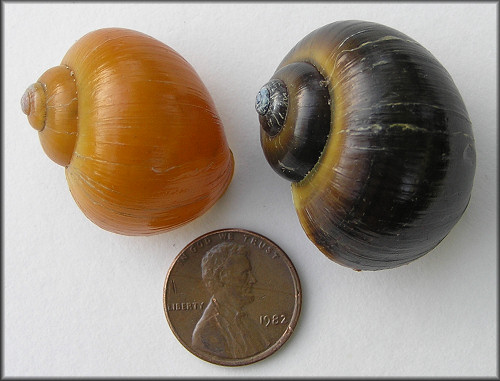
[(150, 152), (397, 169)]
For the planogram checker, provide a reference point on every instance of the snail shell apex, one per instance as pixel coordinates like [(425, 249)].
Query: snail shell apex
[(136, 129), (396, 170)]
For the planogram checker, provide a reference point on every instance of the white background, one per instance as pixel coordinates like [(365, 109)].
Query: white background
[(80, 301)]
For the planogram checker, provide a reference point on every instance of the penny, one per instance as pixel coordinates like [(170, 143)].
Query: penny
[(232, 297)]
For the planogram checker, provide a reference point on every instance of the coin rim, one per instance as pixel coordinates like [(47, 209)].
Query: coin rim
[(273, 348)]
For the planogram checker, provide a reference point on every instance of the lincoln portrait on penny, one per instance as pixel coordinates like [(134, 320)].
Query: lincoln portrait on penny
[(225, 329)]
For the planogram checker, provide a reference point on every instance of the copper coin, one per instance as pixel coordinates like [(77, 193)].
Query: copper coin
[(232, 297)]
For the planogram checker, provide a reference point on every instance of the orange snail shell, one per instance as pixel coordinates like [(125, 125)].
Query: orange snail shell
[(136, 129), (377, 142)]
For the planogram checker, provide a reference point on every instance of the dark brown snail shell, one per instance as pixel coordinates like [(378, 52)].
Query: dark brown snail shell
[(374, 135)]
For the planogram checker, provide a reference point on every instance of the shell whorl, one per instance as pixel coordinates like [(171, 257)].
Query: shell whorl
[(51, 105), (294, 114), (34, 105), (271, 103), (397, 169)]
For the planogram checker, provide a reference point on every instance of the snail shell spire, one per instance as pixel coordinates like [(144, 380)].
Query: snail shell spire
[(294, 113), (51, 105)]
